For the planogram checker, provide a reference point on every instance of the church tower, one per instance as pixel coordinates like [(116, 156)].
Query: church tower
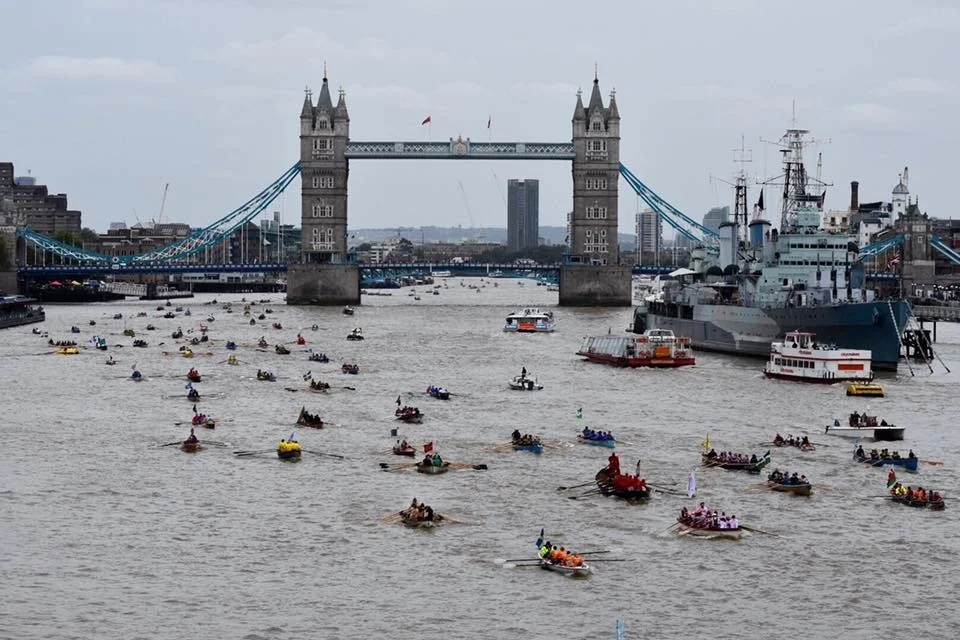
[(596, 171), (324, 133)]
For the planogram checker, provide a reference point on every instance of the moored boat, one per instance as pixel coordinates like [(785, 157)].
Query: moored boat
[(657, 348), (19, 310), (529, 320), (799, 357)]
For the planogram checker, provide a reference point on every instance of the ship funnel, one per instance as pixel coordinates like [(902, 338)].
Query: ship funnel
[(728, 244), (854, 196), (758, 230)]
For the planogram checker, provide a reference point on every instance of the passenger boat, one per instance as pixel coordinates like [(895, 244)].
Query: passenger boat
[(614, 483), (289, 450), (523, 383), (191, 447), (864, 426), (307, 419), (529, 320), (867, 389), (410, 415), (685, 529), (654, 348), (582, 571), (404, 449), (19, 310), (438, 392), (68, 351), (597, 438), (352, 369), (356, 334), (886, 459), (318, 357), (432, 469), (801, 358), (753, 464)]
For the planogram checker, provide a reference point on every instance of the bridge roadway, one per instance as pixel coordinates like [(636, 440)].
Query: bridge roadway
[(366, 270)]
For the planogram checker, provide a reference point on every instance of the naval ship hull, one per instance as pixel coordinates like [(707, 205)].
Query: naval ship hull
[(749, 331)]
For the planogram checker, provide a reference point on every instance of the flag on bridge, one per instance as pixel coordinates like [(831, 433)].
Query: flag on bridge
[(894, 260), (425, 121)]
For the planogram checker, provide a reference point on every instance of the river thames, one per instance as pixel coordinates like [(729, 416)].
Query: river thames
[(107, 534)]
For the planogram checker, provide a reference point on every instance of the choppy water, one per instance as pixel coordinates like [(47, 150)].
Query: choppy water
[(105, 534)]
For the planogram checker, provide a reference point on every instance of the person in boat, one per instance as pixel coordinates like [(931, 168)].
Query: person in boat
[(437, 461), (523, 373), (805, 442), (110, 360), (613, 463), (911, 455), (753, 459), (192, 438), (859, 453), (778, 439), (515, 435)]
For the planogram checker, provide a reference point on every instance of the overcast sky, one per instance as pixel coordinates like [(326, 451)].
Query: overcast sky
[(108, 100)]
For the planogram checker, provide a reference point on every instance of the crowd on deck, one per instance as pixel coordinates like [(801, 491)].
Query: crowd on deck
[(731, 457), (883, 454), (420, 512), (790, 441), (523, 439), (559, 555), (862, 420), (785, 477), (704, 518), (590, 434)]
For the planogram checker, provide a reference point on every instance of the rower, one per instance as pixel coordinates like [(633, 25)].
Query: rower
[(192, 437), (860, 453), (614, 464)]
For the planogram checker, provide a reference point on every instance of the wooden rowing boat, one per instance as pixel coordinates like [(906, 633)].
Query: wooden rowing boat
[(684, 529), (191, 447), (749, 467), (582, 571), (404, 451), (608, 486), (609, 443), (796, 489), (432, 469)]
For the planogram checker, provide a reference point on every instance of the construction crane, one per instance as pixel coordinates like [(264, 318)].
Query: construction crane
[(163, 203), (466, 203)]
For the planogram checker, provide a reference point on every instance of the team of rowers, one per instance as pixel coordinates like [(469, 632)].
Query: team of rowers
[(731, 457), (704, 518), (420, 512), (785, 477), (790, 441), (432, 460), (590, 434), (883, 454), (915, 494), (559, 555), (625, 481), (523, 439), (407, 411)]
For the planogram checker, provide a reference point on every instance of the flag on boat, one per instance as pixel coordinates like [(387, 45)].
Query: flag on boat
[(428, 447), (194, 408), (760, 201), (705, 445), (540, 538), (692, 485), (189, 386), (398, 401), (621, 630), (425, 121), (580, 413), (307, 376), (891, 479)]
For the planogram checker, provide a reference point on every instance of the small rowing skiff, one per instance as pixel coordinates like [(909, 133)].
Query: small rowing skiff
[(582, 571), (684, 529), (432, 469)]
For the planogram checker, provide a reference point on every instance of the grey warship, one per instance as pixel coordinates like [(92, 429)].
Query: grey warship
[(761, 282)]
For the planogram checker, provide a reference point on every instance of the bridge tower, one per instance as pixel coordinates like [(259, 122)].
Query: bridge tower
[(323, 276), (593, 275)]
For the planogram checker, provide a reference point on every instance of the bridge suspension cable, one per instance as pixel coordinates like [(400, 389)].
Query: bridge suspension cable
[(667, 212)]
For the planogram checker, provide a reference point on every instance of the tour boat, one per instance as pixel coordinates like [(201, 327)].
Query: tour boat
[(654, 348), (529, 320), (800, 357)]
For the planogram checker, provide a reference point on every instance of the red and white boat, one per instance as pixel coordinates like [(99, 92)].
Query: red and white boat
[(653, 348), (800, 357)]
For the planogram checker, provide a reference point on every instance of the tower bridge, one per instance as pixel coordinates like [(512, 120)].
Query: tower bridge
[(592, 276)]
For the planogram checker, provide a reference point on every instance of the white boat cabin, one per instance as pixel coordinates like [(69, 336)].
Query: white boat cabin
[(530, 319), (801, 357)]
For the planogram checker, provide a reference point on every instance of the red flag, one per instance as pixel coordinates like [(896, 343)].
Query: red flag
[(894, 260), (489, 120), (425, 121), (428, 447)]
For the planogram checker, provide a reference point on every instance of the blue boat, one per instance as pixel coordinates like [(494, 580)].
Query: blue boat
[(909, 463), (609, 442), (534, 447)]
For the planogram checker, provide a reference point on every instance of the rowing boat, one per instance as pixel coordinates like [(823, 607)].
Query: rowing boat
[(191, 447), (432, 469), (407, 450), (684, 529), (582, 571), (803, 489), (609, 443)]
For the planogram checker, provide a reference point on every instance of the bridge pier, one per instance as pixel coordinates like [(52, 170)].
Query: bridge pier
[(583, 285), (323, 284)]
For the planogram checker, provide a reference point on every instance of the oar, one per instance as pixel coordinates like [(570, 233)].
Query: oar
[(584, 495), (664, 490), (576, 486), (251, 453), (608, 559), (502, 561), (766, 533), (396, 467), (592, 553), (527, 563), (933, 462), (170, 444), (673, 526), (467, 465), (215, 443), (320, 453), (452, 520)]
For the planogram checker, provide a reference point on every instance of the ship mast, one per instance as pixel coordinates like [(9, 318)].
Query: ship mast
[(794, 179), (741, 156)]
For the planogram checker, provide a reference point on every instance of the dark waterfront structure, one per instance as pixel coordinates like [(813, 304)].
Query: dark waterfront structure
[(523, 214)]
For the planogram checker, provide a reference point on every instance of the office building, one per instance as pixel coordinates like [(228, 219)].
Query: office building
[(523, 214), (649, 232), (28, 204), (715, 217)]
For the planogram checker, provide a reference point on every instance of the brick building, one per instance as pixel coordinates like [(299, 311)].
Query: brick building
[(26, 203)]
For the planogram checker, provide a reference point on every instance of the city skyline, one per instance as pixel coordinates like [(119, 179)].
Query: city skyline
[(134, 101)]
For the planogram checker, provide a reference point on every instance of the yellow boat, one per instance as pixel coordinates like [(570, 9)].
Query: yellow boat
[(187, 353), (288, 450), (868, 389), (68, 351)]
